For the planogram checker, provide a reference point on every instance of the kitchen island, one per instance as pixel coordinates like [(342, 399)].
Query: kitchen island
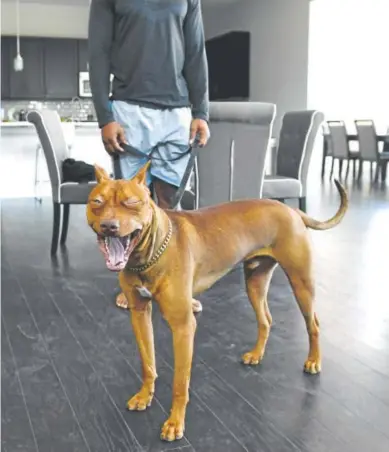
[(18, 158)]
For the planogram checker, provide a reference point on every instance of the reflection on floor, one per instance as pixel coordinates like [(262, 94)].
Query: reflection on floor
[(69, 361)]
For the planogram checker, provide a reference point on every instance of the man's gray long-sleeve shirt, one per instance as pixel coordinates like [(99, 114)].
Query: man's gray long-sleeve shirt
[(156, 51)]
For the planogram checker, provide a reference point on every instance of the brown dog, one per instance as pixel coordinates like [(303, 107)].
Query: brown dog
[(170, 256)]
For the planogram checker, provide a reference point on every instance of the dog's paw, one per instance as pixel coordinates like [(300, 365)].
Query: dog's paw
[(196, 306), (172, 429), (121, 301), (312, 366), (252, 358), (140, 401)]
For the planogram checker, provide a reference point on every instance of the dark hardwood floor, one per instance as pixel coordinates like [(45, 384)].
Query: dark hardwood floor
[(69, 359)]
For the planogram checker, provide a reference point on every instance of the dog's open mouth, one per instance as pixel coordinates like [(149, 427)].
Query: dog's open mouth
[(117, 250)]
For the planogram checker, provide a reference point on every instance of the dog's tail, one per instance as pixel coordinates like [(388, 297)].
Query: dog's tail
[(335, 220)]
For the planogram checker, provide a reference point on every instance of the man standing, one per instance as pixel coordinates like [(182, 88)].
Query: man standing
[(155, 50)]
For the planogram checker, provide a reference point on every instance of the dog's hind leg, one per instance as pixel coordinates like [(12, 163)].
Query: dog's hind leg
[(298, 268), (258, 273)]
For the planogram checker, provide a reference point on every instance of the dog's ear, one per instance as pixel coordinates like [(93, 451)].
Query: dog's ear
[(101, 174), (140, 178)]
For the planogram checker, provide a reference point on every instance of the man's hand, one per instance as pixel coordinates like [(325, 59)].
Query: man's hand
[(199, 128), (113, 135)]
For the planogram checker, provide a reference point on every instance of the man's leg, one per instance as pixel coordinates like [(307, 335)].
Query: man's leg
[(170, 159), (165, 193), (127, 165)]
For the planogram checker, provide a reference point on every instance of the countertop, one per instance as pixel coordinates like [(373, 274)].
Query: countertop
[(23, 124)]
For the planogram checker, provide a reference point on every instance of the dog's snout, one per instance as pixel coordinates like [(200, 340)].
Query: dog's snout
[(110, 226)]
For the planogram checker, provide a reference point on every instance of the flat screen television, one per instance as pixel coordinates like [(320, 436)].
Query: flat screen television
[(229, 66)]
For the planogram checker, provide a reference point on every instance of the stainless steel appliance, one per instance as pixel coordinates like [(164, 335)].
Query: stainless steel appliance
[(84, 89)]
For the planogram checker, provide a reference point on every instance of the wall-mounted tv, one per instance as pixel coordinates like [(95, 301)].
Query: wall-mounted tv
[(229, 66)]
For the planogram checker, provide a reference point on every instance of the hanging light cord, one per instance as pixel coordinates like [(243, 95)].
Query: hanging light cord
[(18, 27)]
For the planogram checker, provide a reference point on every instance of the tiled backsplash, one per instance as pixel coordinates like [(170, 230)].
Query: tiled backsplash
[(78, 109)]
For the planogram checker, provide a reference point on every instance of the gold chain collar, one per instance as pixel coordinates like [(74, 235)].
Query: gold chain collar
[(157, 255)]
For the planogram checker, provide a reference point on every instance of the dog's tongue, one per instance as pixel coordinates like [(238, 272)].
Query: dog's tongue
[(115, 250)]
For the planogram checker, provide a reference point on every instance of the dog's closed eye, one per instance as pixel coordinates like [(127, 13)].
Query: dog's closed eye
[(97, 201), (129, 202)]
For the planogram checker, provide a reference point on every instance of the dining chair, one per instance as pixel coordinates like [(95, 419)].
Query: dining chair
[(341, 148), (327, 148), (297, 139), (212, 181), (369, 149), (50, 133), (251, 133), (232, 165)]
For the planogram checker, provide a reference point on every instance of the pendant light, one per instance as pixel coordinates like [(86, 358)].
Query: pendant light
[(18, 60)]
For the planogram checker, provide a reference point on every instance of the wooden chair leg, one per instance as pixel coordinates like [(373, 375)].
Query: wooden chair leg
[(56, 226), (303, 203), (65, 223)]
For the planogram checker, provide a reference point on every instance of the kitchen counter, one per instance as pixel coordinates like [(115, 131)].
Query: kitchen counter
[(23, 124)]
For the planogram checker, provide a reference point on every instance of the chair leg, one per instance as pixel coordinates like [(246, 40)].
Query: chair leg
[(303, 203), (377, 171), (332, 167), (65, 223), (384, 171), (360, 169), (323, 164), (347, 168), (354, 168), (56, 226), (340, 168)]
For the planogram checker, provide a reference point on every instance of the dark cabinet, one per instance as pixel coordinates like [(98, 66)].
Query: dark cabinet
[(60, 68), (83, 55), (51, 68), (5, 67), (29, 83)]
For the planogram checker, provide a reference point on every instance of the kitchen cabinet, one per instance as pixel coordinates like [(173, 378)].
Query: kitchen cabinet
[(29, 83), (5, 67), (60, 68), (82, 55)]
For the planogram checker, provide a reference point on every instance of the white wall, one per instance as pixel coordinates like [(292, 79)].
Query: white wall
[(45, 20), (279, 47)]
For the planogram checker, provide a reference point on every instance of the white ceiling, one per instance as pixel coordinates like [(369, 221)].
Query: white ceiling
[(86, 2)]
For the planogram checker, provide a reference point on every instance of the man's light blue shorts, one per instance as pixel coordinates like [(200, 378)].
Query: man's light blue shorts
[(164, 133)]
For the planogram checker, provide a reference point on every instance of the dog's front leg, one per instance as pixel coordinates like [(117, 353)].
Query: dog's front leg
[(182, 323), (143, 330)]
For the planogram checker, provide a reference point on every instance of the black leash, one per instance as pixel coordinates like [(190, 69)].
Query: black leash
[(192, 150)]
